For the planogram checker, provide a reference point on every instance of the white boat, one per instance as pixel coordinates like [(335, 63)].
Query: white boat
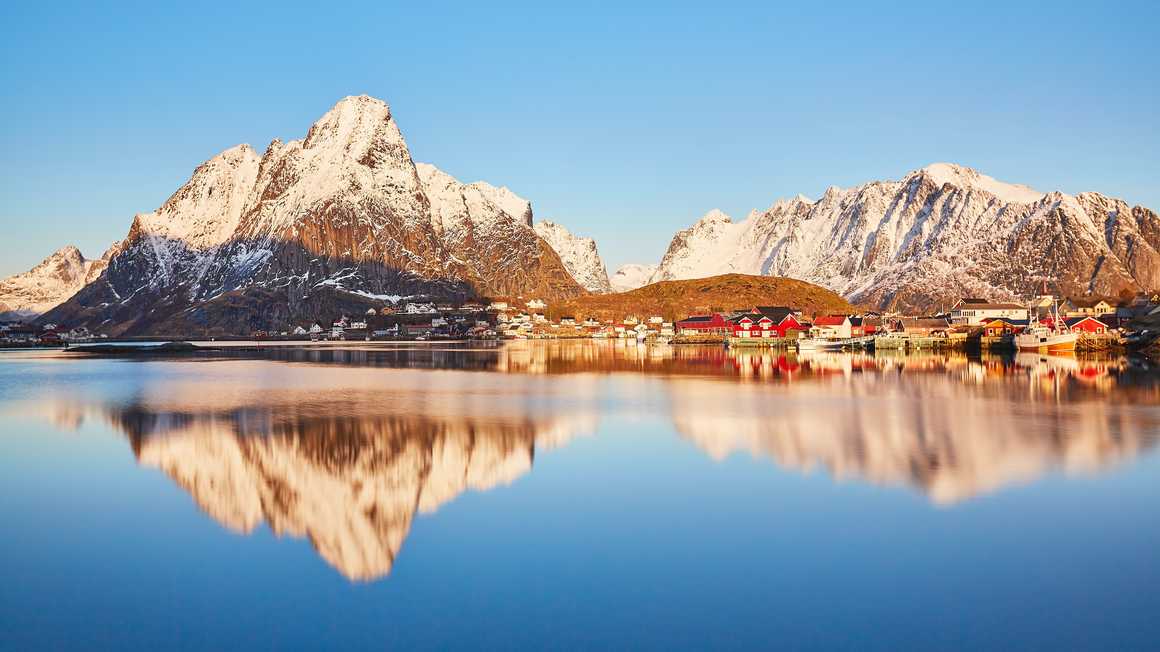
[(820, 344), (1056, 339), (1042, 338)]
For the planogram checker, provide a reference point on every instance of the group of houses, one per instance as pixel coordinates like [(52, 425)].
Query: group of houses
[(1092, 316), (20, 333), (970, 319), (413, 319)]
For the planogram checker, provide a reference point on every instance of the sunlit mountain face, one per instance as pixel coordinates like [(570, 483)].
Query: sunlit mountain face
[(346, 448)]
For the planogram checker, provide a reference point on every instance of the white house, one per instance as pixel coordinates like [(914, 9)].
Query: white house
[(536, 304), (973, 312), (832, 327)]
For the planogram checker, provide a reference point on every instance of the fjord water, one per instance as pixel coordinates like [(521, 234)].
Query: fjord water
[(581, 494)]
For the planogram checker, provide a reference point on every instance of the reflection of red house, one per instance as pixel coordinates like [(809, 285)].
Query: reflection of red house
[(1089, 325), (714, 324)]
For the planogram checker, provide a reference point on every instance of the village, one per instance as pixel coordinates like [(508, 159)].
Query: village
[(1099, 323)]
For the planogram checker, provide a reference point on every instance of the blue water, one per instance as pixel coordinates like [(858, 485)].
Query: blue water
[(848, 503)]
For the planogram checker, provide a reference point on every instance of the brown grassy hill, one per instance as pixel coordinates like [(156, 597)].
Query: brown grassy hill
[(678, 299)]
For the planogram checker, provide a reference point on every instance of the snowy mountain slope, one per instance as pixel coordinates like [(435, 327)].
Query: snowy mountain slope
[(50, 283), (485, 229), (579, 255), (631, 276), (252, 242), (941, 232)]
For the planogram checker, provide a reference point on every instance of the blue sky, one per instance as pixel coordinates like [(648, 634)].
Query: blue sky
[(622, 122)]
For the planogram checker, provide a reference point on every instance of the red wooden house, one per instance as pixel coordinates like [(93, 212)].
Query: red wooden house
[(766, 321), (1089, 325), (714, 324)]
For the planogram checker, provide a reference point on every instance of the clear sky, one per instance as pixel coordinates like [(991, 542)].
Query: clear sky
[(622, 122)]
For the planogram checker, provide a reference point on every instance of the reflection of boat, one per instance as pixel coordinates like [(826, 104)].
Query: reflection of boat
[(1038, 362)]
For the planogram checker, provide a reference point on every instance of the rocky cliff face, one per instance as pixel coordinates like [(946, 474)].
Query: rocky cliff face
[(255, 241), (579, 255), (50, 283), (940, 233)]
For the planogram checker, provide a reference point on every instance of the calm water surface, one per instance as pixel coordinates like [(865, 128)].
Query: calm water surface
[(578, 495)]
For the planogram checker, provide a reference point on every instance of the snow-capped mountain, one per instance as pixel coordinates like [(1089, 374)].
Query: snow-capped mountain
[(50, 283), (255, 241), (941, 232), (578, 254), (631, 276)]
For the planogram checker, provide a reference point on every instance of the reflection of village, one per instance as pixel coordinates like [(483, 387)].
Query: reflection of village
[(347, 457), (1036, 374)]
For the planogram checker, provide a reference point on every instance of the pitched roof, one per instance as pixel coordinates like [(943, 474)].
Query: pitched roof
[(1086, 302), (996, 306), (776, 313), (927, 323), (1007, 320), (1072, 321), (830, 320)]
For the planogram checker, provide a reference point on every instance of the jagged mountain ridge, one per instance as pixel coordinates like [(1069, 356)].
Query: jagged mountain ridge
[(918, 244), (49, 283), (342, 215), (579, 254)]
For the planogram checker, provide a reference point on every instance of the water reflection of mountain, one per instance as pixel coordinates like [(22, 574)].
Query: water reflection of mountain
[(347, 455), (918, 430), (351, 485)]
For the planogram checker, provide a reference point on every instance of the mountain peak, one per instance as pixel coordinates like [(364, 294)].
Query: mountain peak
[(53, 280), (355, 118), (579, 255), (966, 178), (715, 215), (68, 251)]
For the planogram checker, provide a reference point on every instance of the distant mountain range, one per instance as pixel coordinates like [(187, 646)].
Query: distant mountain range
[(941, 232), (345, 218), (49, 284)]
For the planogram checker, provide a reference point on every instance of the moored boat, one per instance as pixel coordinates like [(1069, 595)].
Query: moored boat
[(1049, 339), (820, 344), (1042, 338)]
